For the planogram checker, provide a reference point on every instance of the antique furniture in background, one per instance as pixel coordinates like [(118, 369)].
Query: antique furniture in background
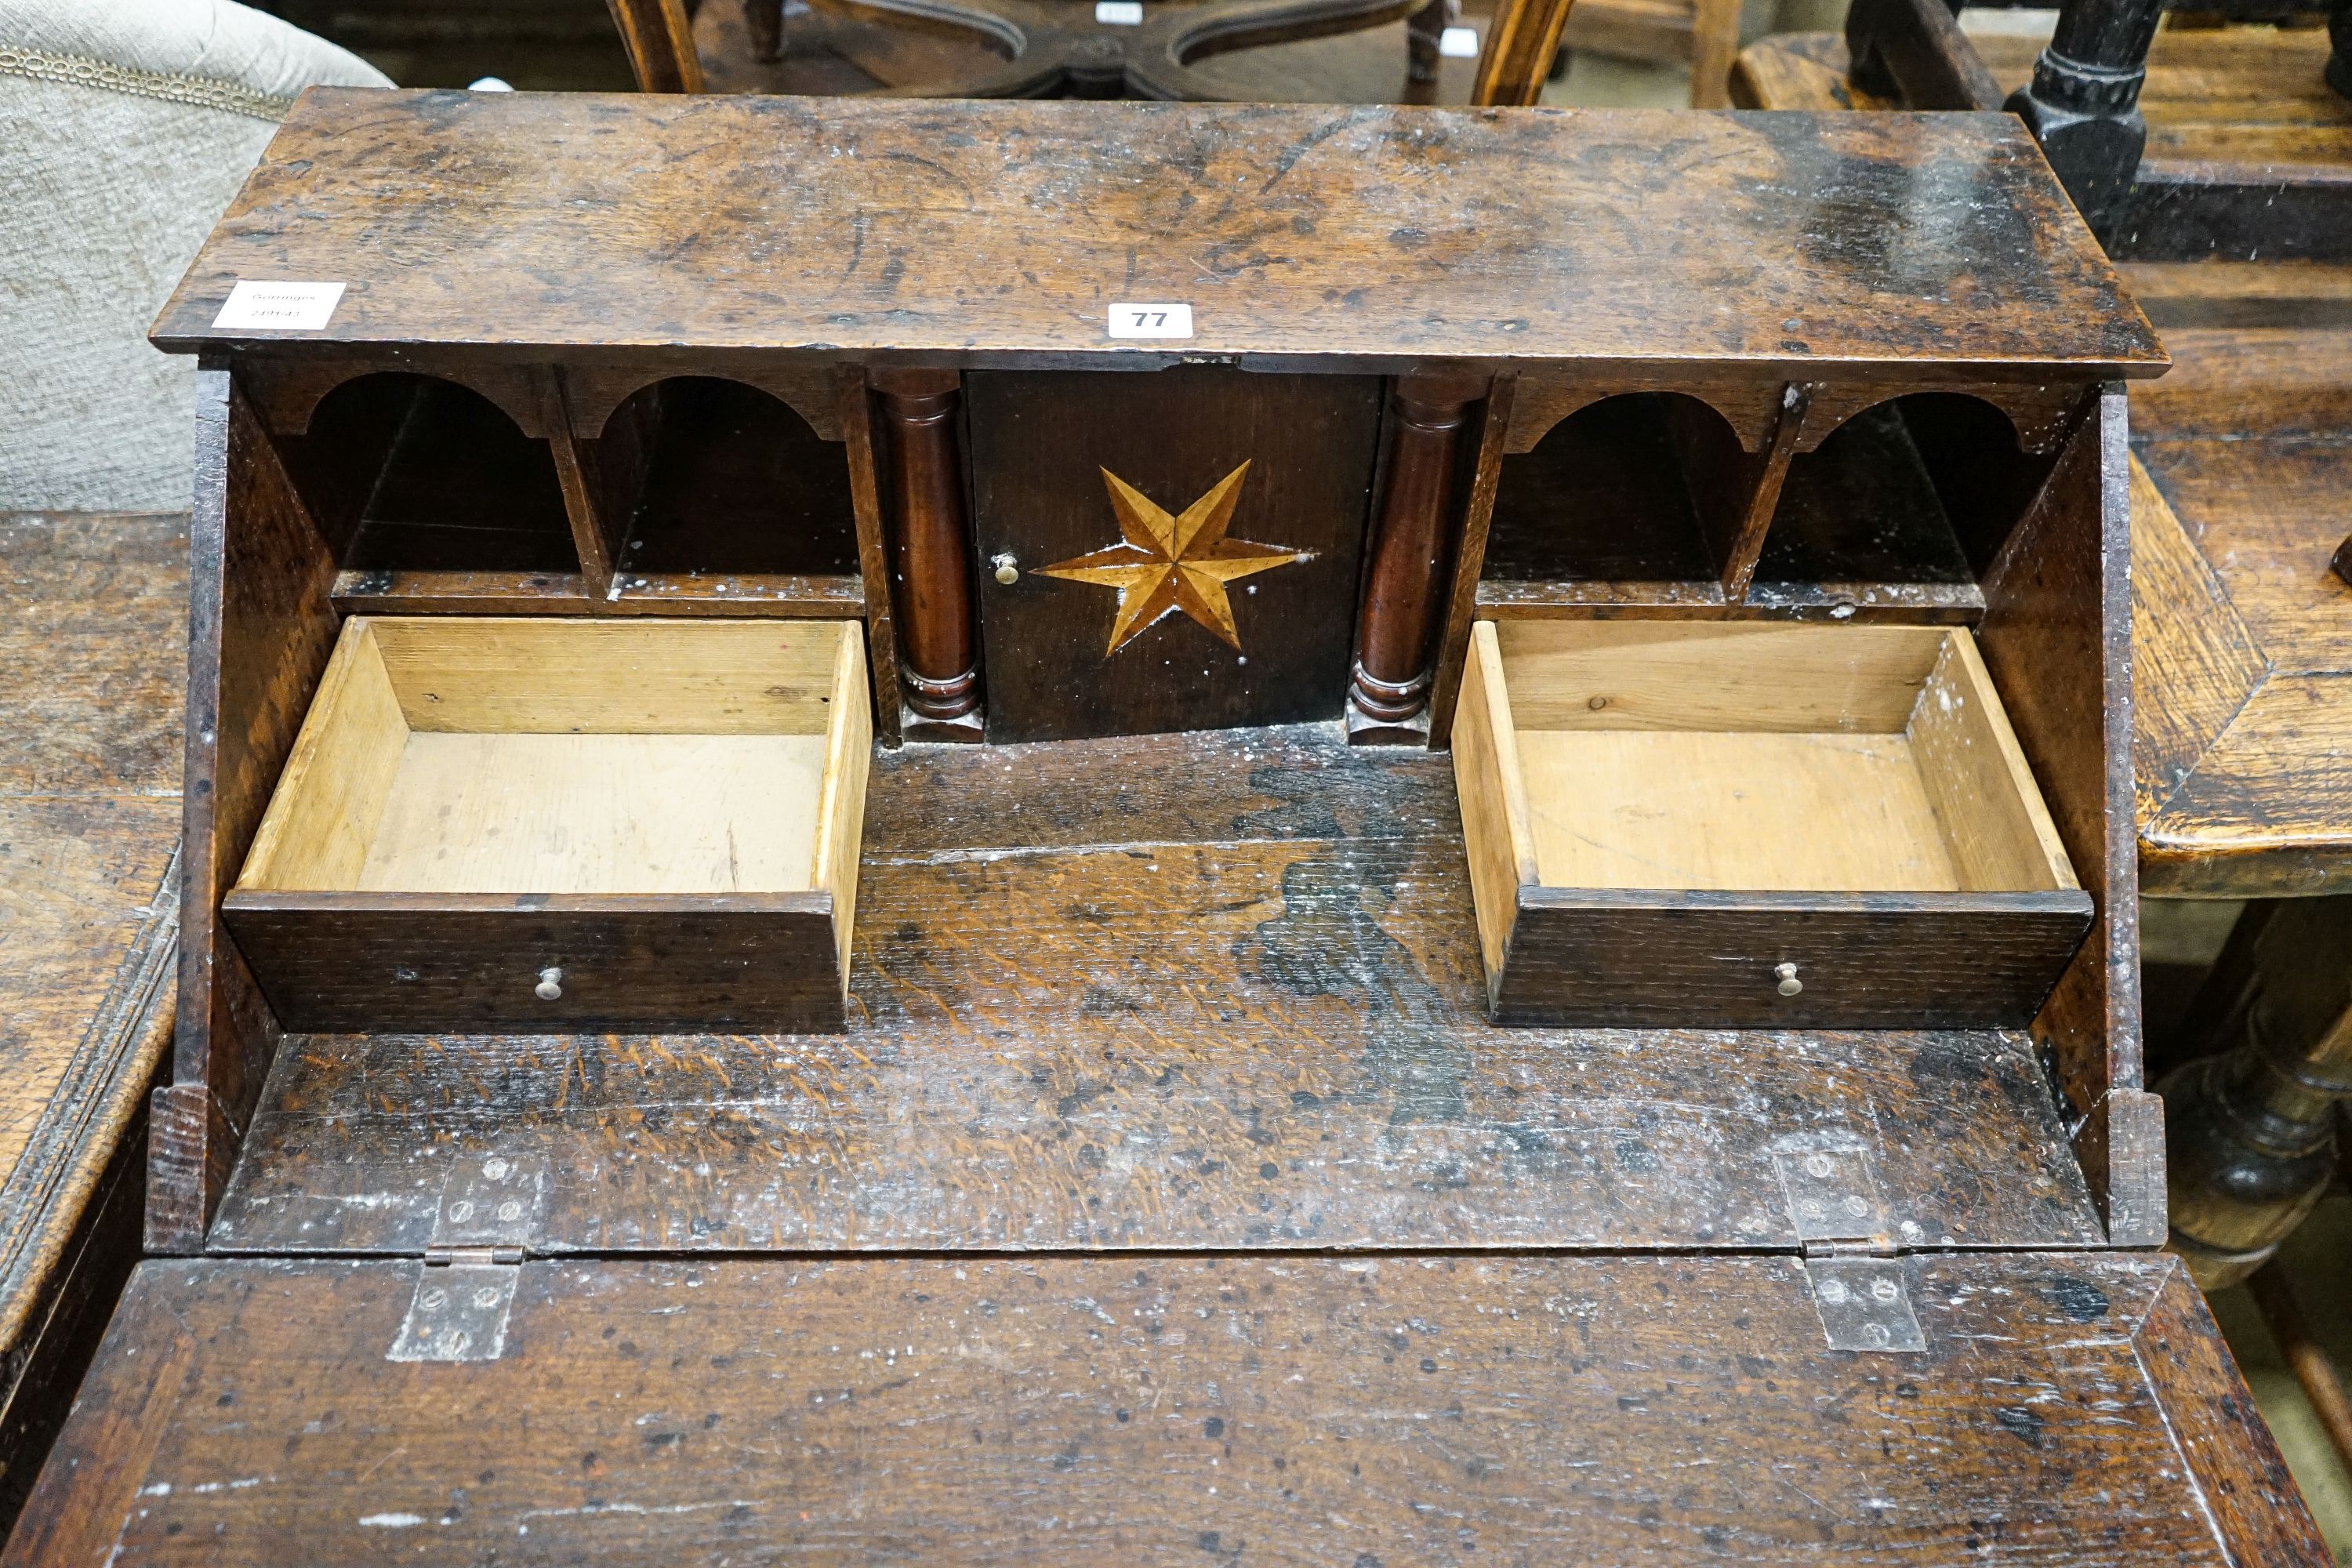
[(1331, 51), (2194, 144), (1167, 1188), (2253, 1126), (1704, 32)]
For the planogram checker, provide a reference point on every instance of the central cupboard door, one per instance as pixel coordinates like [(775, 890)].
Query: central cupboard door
[(1170, 550)]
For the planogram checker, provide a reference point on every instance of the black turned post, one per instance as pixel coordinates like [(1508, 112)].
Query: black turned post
[(2339, 38), (2083, 104), (2252, 1130)]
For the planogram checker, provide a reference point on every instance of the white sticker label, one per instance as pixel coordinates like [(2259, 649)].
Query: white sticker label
[(1458, 43), (1119, 13), (1152, 320), (278, 307)]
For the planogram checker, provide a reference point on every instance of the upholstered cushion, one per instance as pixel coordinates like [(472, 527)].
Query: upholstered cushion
[(125, 128)]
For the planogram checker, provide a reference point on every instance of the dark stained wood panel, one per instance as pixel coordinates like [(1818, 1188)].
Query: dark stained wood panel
[(1376, 235), (1079, 644), (2066, 1410), (1091, 1009)]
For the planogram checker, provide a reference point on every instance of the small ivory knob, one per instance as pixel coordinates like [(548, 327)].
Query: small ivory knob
[(1008, 570), (551, 985), (1787, 974)]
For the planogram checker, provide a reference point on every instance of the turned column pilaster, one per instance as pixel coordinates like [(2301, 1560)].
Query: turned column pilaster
[(930, 545), (1412, 531)]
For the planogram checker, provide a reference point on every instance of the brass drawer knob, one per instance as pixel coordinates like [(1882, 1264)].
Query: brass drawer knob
[(551, 985), (1787, 974)]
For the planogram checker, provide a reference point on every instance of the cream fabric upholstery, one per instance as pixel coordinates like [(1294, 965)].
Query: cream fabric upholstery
[(125, 128)]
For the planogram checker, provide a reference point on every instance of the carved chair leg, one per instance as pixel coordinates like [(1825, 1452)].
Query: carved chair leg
[(2252, 1130), (2083, 104)]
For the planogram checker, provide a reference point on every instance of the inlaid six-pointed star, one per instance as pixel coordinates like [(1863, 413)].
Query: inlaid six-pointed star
[(1166, 563)]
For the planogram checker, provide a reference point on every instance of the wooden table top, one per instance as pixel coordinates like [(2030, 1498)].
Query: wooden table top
[(1373, 237), (94, 644)]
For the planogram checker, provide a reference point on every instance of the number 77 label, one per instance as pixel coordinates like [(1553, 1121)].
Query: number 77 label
[(1136, 321)]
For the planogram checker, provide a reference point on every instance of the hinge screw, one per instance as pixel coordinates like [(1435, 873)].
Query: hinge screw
[(551, 985), (1789, 984)]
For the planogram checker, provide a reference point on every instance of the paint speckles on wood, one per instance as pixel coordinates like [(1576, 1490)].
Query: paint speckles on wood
[(1163, 1411), (1254, 1018), (1401, 234)]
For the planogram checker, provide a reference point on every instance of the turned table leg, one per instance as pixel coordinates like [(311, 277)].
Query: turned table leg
[(2083, 104), (2251, 1131)]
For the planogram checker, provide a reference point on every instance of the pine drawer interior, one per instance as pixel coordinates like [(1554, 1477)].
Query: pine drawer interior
[(493, 822), (1753, 823)]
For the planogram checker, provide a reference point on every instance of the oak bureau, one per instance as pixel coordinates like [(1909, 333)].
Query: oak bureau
[(1022, 833)]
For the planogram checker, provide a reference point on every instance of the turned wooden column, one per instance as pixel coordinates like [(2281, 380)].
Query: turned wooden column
[(1389, 690), (930, 546), (2083, 104), (2251, 1131)]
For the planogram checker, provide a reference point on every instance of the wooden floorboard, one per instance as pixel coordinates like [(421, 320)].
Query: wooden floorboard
[(1177, 1411)]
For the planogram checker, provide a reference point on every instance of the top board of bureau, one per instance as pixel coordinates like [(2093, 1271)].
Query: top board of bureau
[(885, 231)]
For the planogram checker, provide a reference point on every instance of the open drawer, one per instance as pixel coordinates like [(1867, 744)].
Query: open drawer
[(1754, 825), (526, 823)]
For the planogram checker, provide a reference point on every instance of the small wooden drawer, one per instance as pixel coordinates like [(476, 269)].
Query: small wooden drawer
[(1744, 824), (511, 823)]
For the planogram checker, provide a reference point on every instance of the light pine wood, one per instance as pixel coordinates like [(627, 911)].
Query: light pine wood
[(1663, 675), (1493, 790), (534, 755), (532, 675), (1999, 834), (1732, 811), (841, 796), (341, 771), (599, 814), (1743, 758)]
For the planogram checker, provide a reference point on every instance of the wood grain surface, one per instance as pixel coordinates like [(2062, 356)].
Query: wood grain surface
[(1201, 991), (1374, 236), (94, 646), (2066, 1410), (2245, 633)]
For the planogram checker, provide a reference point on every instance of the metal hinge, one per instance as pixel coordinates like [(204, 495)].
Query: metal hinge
[(1853, 1264), (466, 1285)]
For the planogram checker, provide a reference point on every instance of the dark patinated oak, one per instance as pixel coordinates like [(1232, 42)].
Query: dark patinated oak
[(1172, 1411), (886, 230), (90, 644), (1191, 992)]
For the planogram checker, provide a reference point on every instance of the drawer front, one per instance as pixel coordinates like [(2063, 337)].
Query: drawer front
[(1666, 960), (389, 962)]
